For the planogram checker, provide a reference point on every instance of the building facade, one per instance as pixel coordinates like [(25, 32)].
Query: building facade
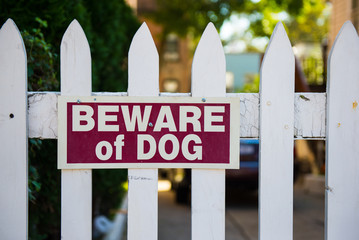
[(174, 52), (342, 11)]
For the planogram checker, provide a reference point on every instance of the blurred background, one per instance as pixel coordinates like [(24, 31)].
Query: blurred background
[(245, 27)]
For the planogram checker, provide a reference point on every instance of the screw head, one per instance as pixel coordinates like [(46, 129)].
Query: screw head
[(203, 100), (78, 101), (150, 124)]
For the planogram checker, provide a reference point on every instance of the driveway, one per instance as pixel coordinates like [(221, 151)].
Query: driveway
[(242, 216)]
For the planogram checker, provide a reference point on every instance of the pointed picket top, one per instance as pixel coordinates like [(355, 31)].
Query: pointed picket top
[(75, 61), (143, 77), (12, 49), (208, 186), (10, 28), (279, 51), (9, 31), (76, 185), (13, 133), (342, 168), (276, 138), (143, 64), (345, 45), (209, 65)]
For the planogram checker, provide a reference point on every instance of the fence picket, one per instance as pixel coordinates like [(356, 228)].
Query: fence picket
[(13, 133), (208, 186), (143, 77), (76, 185), (276, 139), (278, 106), (342, 195)]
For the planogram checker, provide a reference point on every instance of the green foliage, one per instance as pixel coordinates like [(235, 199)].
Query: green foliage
[(108, 190), (311, 24), (44, 178), (109, 27), (41, 60), (306, 19), (23, 12), (313, 69), (44, 190), (252, 87), (192, 16), (33, 182)]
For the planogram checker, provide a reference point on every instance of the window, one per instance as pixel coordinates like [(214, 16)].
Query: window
[(171, 85), (229, 82), (171, 48)]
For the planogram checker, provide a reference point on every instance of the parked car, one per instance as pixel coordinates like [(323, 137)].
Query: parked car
[(244, 178), (247, 176)]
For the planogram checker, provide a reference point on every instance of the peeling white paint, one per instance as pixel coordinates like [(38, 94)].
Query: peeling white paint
[(309, 113), (43, 115)]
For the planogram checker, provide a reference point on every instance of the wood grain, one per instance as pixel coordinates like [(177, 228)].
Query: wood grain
[(13, 134), (143, 72), (309, 114), (342, 195), (76, 185), (276, 139), (208, 186)]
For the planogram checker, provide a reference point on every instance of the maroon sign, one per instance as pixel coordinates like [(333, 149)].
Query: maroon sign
[(99, 133)]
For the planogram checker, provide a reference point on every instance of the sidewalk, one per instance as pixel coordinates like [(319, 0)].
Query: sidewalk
[(174, 220)]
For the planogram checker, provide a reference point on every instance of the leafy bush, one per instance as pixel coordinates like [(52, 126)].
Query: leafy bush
[(109, 27), (251, 87), (44, 190), (41, 59)]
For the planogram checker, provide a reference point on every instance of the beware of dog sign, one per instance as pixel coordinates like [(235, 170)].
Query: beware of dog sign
[(148, 132)]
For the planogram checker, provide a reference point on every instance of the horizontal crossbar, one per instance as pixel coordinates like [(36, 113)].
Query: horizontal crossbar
[(309, 113)]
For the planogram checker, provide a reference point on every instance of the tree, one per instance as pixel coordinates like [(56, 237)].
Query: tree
[(312, 24), (307, 19), (193, 15), (109, 26)]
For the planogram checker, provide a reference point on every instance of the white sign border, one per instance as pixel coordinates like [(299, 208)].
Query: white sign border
[(62, 131)]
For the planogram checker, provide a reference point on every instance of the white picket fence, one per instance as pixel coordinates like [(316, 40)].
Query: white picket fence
[(277, 116)]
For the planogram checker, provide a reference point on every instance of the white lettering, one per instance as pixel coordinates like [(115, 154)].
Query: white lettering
[(119, 143), (185, 119), (103, 118), (197, 155), (209, 119), (162, 145), (87, 117), (141, 138), (165, 111), (108, 151), (136, 117)]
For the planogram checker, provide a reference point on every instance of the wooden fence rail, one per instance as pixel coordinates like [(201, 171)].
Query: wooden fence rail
[(309, 113), (276, 116)]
